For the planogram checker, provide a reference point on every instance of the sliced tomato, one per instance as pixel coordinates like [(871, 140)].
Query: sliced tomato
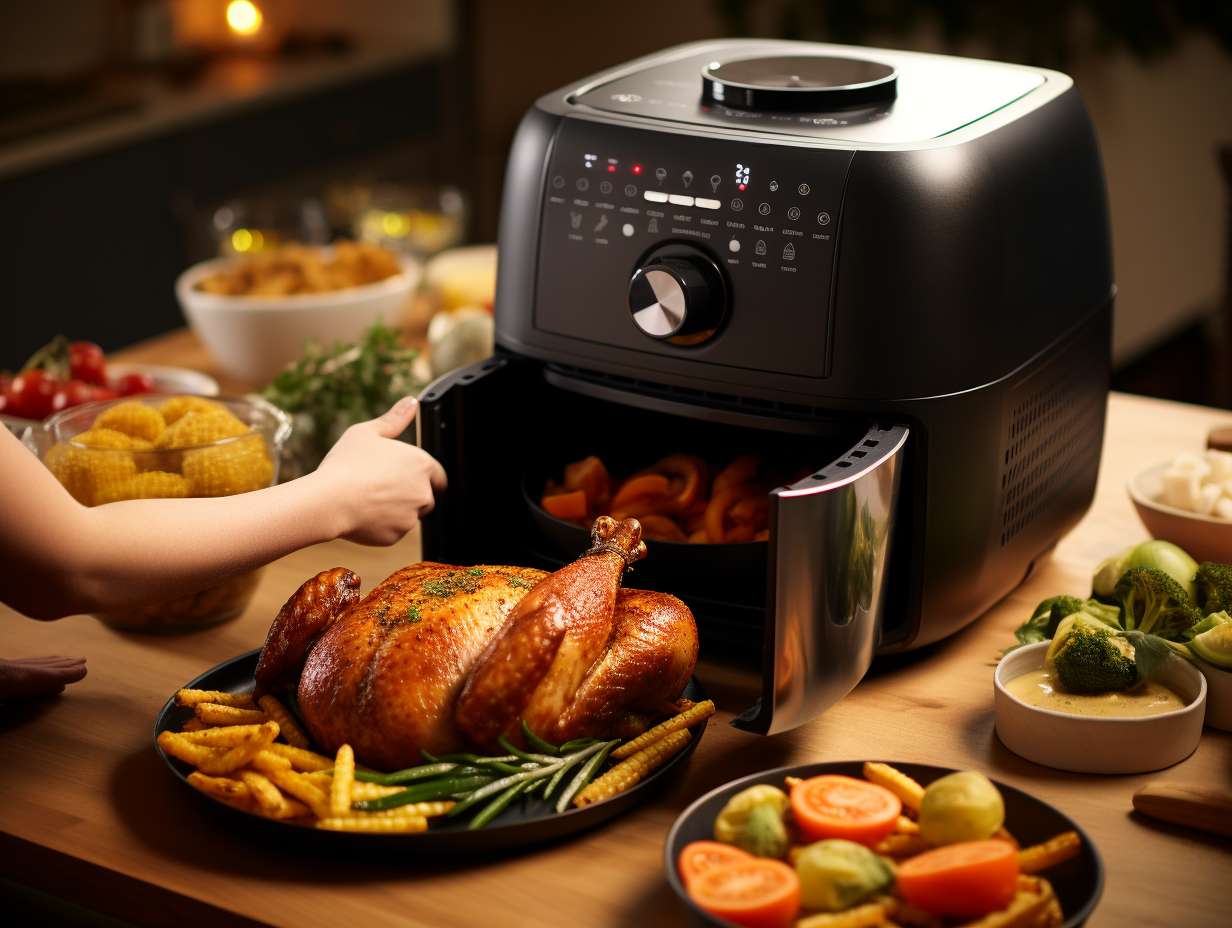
[(701, 856), (964, 880), (754, 893), (833, 806)]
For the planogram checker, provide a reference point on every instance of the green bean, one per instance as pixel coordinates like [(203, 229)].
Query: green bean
[(543, 747), (496, 806), (472, 759), (560, 774), (424, 792), (577, 744), (422, 772), (497, 786), (525, 755), (584, 775)]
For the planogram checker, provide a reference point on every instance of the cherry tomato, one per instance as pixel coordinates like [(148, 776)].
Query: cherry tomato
[(132, 383), (30, 394), (85, 363), (76, 392), (5, 380)]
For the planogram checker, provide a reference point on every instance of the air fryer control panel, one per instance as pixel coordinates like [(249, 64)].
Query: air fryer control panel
[(625, 206)]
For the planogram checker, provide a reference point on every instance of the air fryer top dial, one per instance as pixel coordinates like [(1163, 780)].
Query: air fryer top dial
[(677, 295), (798, 83)]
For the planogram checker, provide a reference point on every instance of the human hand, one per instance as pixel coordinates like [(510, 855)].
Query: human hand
[(34, 677), (382, 486)]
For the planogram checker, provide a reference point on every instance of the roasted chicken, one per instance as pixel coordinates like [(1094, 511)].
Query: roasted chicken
[(436, 657)]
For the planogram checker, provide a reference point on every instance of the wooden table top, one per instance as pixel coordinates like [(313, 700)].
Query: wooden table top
[(90, 814)]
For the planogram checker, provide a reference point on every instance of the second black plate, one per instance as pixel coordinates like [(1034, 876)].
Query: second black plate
[(531, 821)]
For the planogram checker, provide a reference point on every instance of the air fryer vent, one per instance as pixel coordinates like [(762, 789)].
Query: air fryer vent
[(1052, 442)]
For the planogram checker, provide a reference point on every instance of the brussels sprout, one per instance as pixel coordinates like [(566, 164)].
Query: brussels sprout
[(962, 806), (1215, 646), (1162, 555), (837, 874), (753, 821)]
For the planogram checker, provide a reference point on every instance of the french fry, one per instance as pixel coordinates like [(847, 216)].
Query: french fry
[(266, 760), (267, 797), (792, 782), (911, 917), (909, 792), (1024, 911), (222, 736), (178, 746), (195, 724), (233, 792), (1055, 850), (862, 916), (297, 785), (632, 770), (686, 719), (240, 755), (295, 809), (343, 778), (215, 713), (1002, 834), (301, 759), (217, 697), (899, 846), (291, 732), (907, 826), (402, 824)]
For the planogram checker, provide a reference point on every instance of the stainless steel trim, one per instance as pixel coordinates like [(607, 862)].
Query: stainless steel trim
[(830, 539)]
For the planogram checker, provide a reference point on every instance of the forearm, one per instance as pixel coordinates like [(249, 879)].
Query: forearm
[(144, 550)]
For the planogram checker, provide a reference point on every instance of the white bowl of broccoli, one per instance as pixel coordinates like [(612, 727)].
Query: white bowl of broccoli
[(1071, 739)]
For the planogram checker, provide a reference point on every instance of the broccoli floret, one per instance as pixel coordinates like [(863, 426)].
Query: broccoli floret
[(1215, 618), (1213, 587), (1092, 659), (1048, 615), (1154, 603)]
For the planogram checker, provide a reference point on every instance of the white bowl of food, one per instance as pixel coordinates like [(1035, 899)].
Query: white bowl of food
[(254, 313), (1152, 726), (1188, 501)]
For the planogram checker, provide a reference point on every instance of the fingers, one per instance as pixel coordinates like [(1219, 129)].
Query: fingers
[(400, 415), (31, 678)]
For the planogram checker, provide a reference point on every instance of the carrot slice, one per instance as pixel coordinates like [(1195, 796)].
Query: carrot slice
[(834, 806), (756, 893), (590, 476), (701, 856), (570, 506), (964, 880), (638, 486)]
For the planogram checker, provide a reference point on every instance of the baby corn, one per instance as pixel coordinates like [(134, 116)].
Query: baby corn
[(290, 729), (909, 792), (399, 824), (697, 712), (632, 770), (344, 777)]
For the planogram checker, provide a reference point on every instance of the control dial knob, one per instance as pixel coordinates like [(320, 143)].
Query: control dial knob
[(678, 294)]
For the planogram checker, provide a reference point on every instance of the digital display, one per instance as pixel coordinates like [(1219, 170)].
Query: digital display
[(742, 176)]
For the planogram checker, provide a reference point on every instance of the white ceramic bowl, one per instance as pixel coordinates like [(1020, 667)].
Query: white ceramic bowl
[(1206, 538), (1218, 696), (254, 337), (1087, 744)]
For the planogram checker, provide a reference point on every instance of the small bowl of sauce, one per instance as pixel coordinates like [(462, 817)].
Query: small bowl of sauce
[(1151, 726)]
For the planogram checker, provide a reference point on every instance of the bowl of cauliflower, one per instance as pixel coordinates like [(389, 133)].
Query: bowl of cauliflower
[(1188, 501), (157, 447)]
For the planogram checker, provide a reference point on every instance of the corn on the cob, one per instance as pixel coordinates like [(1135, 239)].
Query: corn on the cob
[(302, 759), (291, 732), (85, 472), (232, 467), (697, 712), (1055, 850), (400, 824), (632, 770), (218, 714), (426, 809), (150, 484), (134, 418), (344, 777), (105, 439), (187, 697), (909, 792), (361, 791), (173, 409), (200, 427)]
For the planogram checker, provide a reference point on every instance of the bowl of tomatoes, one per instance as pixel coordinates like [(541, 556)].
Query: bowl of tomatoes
[(64, 374)]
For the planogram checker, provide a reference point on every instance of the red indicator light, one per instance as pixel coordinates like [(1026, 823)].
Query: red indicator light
[(611, 169), (637, 169), (742, 187)]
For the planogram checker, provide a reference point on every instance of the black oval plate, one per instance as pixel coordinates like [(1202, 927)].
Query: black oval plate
[(529, 822), (1078, 882)]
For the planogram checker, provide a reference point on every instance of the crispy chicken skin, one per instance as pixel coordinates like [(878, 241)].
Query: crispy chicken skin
[(437, 657)]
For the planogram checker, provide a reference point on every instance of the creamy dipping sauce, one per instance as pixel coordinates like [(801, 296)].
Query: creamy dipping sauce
[(1041, 689)]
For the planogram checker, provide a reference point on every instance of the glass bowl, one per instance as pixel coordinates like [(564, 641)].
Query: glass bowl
[(152, 447)]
